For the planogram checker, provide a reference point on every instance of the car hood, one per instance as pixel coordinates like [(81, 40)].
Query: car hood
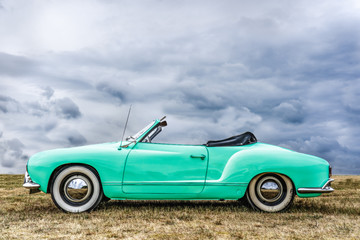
[(82, 152)]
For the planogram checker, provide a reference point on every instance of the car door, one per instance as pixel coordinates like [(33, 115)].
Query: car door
[(165, 168)]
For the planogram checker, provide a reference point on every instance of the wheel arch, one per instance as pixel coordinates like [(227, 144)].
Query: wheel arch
[(272, 172), (57, 169)]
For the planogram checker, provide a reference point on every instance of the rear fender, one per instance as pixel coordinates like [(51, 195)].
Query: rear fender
[(304, 170)]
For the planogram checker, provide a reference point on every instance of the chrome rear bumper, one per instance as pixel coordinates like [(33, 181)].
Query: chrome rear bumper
[(325, 189), (29, 184)]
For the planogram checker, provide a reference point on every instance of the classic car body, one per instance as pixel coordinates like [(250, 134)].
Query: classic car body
[(268, 176)]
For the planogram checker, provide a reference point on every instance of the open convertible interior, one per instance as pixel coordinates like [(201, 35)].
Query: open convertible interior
[(237, 140)]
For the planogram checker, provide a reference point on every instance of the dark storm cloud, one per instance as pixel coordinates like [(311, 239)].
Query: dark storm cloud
[(202, 102), (36, 108), (48, 92), (107, 88), (13, 65), (11, 151), (76, 139), (66, 108), (8, 104), (290, 111), (196, 98)]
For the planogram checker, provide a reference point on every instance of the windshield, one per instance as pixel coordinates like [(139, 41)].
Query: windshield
[(141, 132)]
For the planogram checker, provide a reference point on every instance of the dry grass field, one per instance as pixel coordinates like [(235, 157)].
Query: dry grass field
[(333, 216)]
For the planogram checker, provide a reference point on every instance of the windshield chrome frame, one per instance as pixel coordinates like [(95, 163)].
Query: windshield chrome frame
[(138, 136), (142, 133)]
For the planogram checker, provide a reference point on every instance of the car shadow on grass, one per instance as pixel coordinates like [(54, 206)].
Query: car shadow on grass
[(299, 206), (174, 205)]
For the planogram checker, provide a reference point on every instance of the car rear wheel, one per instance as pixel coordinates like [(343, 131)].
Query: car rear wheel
[(76, 189), (270, 193)]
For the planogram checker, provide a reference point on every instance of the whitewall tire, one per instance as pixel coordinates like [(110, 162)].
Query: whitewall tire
[(76, 189), (270, 192)]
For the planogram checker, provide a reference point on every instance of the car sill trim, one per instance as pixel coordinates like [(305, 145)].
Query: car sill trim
[(174, 183)]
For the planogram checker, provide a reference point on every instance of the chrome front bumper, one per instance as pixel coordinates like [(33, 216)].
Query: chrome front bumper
[(29, 184), (325, 189)]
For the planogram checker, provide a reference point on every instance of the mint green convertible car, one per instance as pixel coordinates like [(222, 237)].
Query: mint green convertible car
[(239, 167)]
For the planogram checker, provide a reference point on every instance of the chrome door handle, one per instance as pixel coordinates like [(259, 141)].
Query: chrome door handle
[(202, 156)]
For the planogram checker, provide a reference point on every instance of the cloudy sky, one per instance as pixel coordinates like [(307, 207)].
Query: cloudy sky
[(287, 71)]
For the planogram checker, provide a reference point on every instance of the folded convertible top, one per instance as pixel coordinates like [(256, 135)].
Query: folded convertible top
[(238, 140)]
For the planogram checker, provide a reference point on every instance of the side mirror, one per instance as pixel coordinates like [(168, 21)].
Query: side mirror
[(163, 124)]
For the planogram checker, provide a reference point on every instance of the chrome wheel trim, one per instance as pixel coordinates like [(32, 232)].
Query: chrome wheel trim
[(77, 188), (265, 192)]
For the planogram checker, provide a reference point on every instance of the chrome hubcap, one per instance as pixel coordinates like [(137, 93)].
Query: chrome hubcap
[(77, 188), (269, 189)]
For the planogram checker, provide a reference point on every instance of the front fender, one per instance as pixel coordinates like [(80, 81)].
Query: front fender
[(108, 163)]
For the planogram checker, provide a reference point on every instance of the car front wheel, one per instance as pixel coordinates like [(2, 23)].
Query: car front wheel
[(76, 189), (270, 193)]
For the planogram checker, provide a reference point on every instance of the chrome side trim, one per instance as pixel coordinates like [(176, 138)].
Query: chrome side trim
[(173, 183), (28, 183), (325, 189)]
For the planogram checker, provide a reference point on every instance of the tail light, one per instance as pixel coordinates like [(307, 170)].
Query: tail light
[(330, 171)]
